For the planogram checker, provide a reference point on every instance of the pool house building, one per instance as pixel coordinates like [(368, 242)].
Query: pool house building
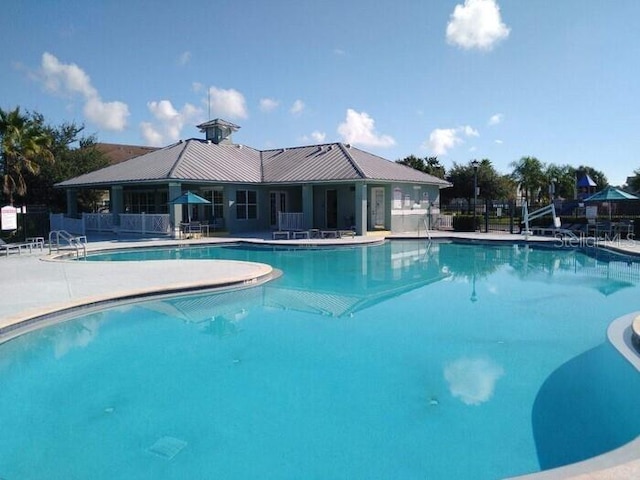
[(333, 186)]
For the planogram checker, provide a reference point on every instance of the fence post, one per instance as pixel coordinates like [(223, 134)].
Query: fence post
[(512, 209)]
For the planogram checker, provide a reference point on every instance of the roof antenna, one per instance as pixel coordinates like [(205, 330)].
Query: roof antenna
[(209, 103)]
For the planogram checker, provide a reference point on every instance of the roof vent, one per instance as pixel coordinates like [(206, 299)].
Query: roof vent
[(348, 145)]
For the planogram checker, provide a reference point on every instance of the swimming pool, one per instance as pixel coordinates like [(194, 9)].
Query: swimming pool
[(401, 360)]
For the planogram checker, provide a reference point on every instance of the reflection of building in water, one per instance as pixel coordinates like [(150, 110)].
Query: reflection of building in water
[(366, 276), (601, 270), (215, 313), (372, 276), (343, 283)]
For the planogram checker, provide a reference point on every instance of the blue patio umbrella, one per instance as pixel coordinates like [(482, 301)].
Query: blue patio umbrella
[(189, 198)]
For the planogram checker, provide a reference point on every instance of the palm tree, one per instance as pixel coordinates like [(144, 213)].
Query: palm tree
[(528, 173), (24, 145)]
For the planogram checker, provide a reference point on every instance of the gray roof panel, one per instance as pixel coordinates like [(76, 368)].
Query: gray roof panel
[(378, 168), (200, 160)]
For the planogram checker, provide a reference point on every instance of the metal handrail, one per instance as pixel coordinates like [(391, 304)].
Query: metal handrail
[(76, 241)]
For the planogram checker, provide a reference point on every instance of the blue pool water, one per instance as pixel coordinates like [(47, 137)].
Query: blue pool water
[(408, 361)]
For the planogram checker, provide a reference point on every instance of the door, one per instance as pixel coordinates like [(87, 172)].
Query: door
[(277, 204), (377, 208), (332, 208)]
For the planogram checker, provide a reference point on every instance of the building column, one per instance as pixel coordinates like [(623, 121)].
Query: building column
[(175, 210), (361, 208), (307, 206), (116, 203), (72, 202)]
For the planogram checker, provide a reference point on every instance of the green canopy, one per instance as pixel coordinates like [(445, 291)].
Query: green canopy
[(610, 194)]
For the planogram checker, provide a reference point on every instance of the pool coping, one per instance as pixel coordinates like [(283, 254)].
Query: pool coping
[(622, 462)]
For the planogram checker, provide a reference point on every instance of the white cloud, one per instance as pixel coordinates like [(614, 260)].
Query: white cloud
[(169, 122), (499, 142), (473, 380), (470, 131), (70, 80), (441, 140), (108, 115), (151, 136), (359, 129), (297, 107), (227, 103), (476, 24), (496, 119), (268, 104), (65, 79), (185, 57), (316, 136)]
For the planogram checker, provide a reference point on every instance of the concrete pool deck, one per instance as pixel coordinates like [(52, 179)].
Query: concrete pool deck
[(35, 284)]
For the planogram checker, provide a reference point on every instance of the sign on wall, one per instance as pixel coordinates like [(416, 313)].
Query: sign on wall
[(9, 217)]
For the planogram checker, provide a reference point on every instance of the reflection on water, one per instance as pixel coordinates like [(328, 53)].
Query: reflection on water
[(473, 380)]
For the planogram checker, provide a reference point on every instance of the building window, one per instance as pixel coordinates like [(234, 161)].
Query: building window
[(215, 211), (145, 202), (246, 204)]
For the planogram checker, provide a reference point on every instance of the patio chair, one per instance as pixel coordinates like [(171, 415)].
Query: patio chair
[(6, 248)]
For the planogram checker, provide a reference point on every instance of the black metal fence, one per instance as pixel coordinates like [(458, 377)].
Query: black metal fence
[(506, 215)]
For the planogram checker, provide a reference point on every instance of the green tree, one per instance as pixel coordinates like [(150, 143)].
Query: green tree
[(433, 167), (25, 146), (528, 173), (563, 179), (430, 165), (75, 154), (634, 182), (491, 184), (413, 162)]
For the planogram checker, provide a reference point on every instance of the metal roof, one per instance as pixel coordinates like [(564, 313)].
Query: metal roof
[(204, 161)]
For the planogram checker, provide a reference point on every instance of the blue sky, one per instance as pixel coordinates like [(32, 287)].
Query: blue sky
[(460, 79)]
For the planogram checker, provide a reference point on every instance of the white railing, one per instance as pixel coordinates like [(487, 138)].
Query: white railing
[(444, 222), (142, 223), (145, 223), (290, 221), (98, 222), (57, 221)]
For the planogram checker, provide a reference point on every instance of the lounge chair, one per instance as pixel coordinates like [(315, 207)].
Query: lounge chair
[(6, 248)]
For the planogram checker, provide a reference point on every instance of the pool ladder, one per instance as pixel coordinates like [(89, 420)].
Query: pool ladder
[(79, 242), (426, 227)]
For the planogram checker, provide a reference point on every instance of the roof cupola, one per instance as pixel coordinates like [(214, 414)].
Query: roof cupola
[(218, 131)]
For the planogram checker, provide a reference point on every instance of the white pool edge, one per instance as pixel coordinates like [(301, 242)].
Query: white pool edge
[(623, 462)]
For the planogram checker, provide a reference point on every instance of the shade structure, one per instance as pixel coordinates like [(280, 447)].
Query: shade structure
[(610, 194), (189, 198)]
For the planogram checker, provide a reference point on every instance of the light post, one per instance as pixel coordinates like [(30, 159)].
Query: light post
[(552, 189), (474, 164)]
